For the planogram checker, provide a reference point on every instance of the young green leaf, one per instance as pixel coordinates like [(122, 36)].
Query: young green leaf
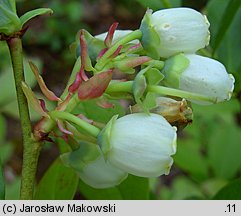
[(13, 5), (33, 13), (9, 21)]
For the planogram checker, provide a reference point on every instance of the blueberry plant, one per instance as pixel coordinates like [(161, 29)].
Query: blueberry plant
[(165, 76)]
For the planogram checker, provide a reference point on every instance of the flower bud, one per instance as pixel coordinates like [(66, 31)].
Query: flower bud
[(178, 29), (204, 76), (139, 144), (89, 163)]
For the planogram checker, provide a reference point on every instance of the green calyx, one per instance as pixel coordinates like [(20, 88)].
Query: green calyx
[(150, 39), (173, 69), (147, 76), (81, 157), (104, 136)]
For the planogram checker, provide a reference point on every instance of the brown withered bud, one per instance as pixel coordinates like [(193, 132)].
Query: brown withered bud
[(177, 113)]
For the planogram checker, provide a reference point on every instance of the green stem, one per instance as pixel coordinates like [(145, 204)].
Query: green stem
[(104, 59), (74, 101), (179, 93), (127, 87), (120, 87), (92, 130), (31, 148)]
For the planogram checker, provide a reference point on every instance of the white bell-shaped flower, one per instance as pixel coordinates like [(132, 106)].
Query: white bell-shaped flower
[(139, 144), (178, 29), (202, 75), (91, 167)]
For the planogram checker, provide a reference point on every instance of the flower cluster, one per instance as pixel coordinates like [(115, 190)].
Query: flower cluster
[(167, 76)]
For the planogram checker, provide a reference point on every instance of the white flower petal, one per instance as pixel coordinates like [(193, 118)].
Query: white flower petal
[(142, 144), (180, 30), (208, 77), (101, 174)]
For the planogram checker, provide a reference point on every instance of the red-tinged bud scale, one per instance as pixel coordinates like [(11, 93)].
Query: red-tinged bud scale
[(33, 101), (47, 93), (85, 59), (95, 86), (83, 117), (102, 52), (43, 105), (116, 53), (62, 129), (110, 34), (76, 84), (103, 103)]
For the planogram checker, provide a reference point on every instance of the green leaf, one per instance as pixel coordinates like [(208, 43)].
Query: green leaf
[(2, 183), (58, 183), (224, 150), (231, 191), (230, 12), (212, 186), (229, 50), (33, 13), (158, 4), (6, 151), (182, 188), (13, 189), (99, 194), (13, 5), (99, 114), (190, 159), (133, 188)]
